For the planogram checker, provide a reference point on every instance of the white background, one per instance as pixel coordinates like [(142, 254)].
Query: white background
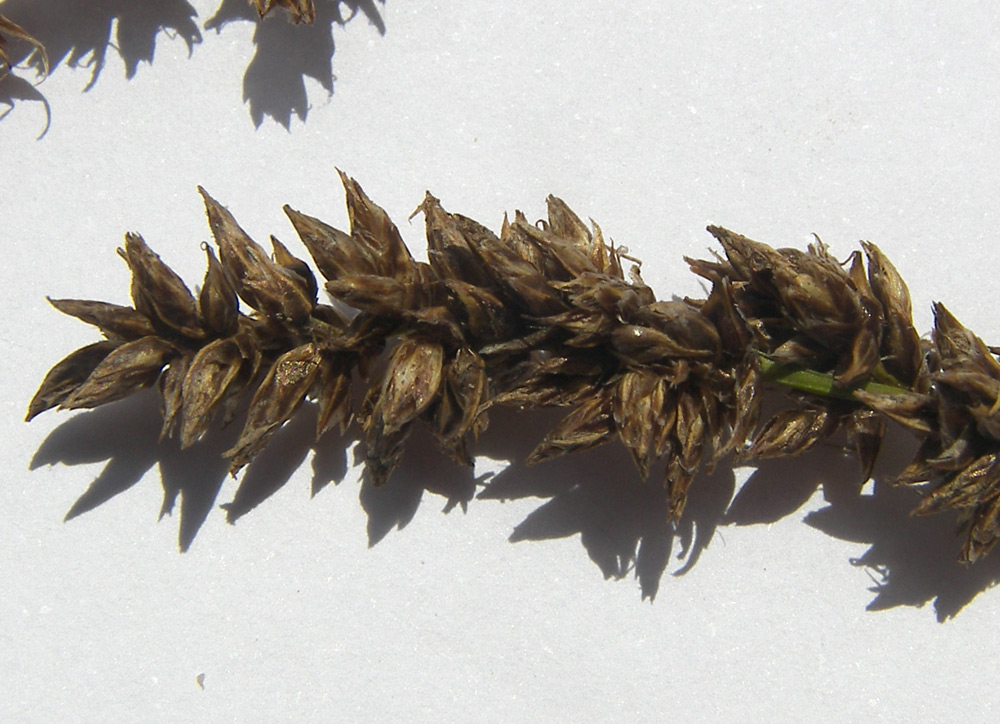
[(803, 602)]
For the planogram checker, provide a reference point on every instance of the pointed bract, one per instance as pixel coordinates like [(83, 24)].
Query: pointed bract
[(128, 368), (280, 393), (264, 285)]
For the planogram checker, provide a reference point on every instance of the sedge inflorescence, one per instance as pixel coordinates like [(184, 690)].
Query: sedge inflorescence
[(547, 315)]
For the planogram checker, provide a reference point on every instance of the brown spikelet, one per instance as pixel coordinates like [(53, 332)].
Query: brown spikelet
[(459, 411), (159, 292), (281, 392), (585, 427), (790, 432), (334, 392), (637, 410), (67, 375), (171, 388), (211, 377), (411, 383), (372, 228), (128, 368), (115, 321), (299, 11), (265, 286), (336, 254), (901, 353), (217, 303)]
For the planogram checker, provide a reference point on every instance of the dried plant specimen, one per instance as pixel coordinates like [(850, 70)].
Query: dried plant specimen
[(546, 315)]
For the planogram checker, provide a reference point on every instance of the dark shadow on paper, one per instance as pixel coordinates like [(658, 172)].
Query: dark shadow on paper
[(596, 494), (80, 33), (423, 469), (912, 561), (125, 435), (14, 90), (285, 55)]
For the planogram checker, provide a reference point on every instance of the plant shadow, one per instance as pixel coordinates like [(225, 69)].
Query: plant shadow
[(595, 494), (598, 494), (79, 33), (913, 561), (285, 55), (14, 90), (126, 435)]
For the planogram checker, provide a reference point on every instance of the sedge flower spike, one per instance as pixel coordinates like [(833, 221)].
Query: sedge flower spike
[(546, 315)]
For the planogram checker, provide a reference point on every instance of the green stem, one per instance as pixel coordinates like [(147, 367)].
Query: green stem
[(818, 383)]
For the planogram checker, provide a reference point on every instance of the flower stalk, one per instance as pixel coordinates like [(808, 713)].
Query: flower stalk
[(818, 383)]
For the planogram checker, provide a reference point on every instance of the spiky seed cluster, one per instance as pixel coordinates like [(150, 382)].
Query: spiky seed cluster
[(805, 309), (957, 417), (545, 315)]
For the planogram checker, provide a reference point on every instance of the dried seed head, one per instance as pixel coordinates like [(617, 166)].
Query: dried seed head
[(128, 368), (159, 292), (217, 303), (543, 315), (219, 370), (282, 391), (371, 227), (117, 323), (66, 376), (264, 285)]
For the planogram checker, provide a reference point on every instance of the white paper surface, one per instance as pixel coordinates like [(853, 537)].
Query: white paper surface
[(803, 602)]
